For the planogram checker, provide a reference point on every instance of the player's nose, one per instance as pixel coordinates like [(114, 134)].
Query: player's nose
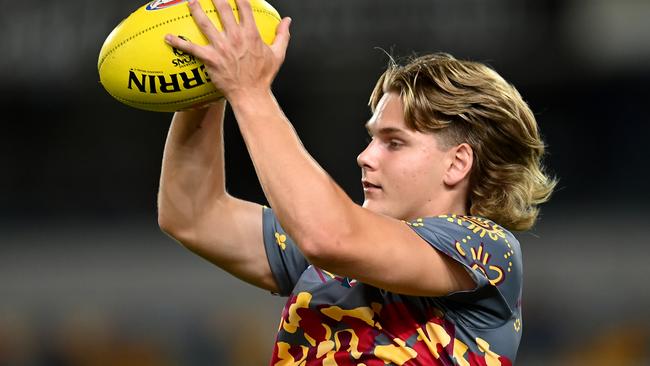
[(367, 159)]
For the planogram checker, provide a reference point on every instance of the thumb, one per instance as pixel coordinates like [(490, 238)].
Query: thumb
[(282, 36)]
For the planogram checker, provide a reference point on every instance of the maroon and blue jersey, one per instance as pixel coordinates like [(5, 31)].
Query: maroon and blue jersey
[(333, 320)]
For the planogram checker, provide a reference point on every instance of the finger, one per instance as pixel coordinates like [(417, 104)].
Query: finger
[(203, 22), (226, 16), (246, 18), (282, 36), (185, 46)]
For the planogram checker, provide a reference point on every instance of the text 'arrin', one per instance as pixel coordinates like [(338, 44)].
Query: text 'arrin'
[(171, 83)]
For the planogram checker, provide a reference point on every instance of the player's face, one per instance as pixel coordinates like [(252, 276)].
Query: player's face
[(402, 169)]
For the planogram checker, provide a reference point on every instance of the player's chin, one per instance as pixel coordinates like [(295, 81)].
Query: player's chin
[(370, 204), (375, 206)]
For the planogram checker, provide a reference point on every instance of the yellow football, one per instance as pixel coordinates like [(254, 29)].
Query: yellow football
[(139, 69)]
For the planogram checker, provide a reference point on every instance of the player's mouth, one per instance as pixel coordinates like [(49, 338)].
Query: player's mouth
[(370, 187)]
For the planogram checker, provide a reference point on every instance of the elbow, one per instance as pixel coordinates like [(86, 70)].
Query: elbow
[(173, 230), (324, 250), (327, 243), (165, 225), (171, 218), (165, 222), (318, 254)]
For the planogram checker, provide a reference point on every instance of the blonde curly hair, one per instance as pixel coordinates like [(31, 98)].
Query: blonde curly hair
[(464, 101)]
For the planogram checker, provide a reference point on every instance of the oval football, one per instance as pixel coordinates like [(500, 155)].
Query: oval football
[(139, 69)]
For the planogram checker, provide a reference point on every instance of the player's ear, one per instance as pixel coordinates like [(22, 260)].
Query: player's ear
[(461, 159)]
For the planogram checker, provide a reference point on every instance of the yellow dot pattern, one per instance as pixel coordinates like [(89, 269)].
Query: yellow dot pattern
[(281, 239)]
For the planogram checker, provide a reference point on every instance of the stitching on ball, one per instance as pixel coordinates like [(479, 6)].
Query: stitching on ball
[(126, 40)]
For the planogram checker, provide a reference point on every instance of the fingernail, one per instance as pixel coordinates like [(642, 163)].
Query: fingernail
[(168, 38)]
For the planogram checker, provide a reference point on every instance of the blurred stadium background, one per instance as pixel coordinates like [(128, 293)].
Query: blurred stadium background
[(86, 277)]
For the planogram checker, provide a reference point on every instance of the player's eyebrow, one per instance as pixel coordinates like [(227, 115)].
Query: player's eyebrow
[(384, 130)]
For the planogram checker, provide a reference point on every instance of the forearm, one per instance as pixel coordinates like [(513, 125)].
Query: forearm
[(192, 175), (304, 197)]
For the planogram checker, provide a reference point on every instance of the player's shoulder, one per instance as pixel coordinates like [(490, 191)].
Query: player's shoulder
[(486, 248), (459, 227)]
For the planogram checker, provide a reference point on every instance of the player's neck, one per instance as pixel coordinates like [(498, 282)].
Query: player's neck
[(440, 208)]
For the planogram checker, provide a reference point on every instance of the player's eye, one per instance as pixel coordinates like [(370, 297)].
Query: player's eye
[(394, 144)]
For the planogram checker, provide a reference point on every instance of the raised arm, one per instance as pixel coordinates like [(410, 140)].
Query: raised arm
[(331, 231), (194, 207)]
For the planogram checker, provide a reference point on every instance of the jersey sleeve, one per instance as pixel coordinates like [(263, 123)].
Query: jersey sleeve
[(285, 259), (490, 254)]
